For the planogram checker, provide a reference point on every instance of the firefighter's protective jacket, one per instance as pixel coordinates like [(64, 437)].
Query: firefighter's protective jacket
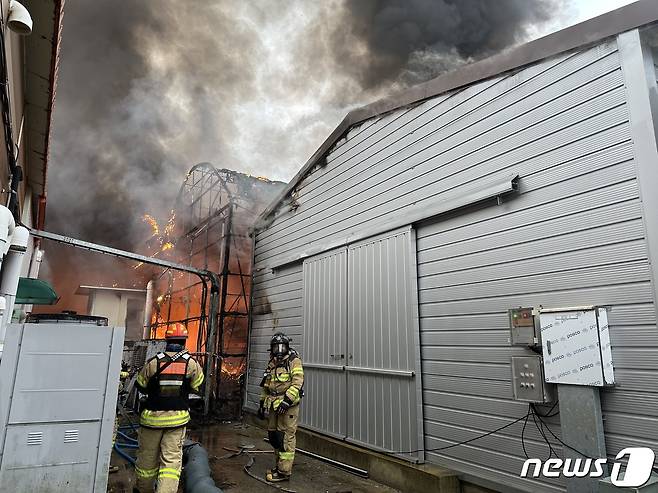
[(283, 379), (167, 380)]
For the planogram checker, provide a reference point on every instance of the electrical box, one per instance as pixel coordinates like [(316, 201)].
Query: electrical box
[(528, 380), (523, 328), (576, 346), (59, 386)]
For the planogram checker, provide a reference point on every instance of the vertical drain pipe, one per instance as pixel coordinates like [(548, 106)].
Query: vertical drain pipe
[(11, 272), (148, 310), (7, 227)]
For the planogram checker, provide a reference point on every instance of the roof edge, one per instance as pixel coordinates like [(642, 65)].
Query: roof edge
[(629, 17), (52, 87)]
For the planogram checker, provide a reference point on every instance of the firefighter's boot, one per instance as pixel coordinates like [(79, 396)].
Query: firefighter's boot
[(276, 476)]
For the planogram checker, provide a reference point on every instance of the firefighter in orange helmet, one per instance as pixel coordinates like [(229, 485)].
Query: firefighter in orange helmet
[(167, 380)]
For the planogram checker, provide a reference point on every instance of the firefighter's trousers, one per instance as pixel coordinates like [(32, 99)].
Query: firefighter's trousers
[(160, 457), (281, 430)]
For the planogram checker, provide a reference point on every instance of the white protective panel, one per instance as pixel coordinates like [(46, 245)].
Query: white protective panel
[(574, 343)]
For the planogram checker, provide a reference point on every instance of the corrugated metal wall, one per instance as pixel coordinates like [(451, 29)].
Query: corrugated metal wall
[(382, 381), (359, 315), (324, 320), (573, 235), (277, 306)]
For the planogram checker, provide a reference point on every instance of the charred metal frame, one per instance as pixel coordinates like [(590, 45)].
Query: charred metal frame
[(206, 203)]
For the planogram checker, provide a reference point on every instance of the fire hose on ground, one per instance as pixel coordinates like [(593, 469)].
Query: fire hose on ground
[(196, 469)]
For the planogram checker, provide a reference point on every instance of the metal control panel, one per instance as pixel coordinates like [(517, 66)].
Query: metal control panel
[(523, 327), (528, 380)]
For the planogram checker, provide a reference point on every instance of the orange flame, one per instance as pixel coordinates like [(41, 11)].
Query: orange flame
[(169, 228), (147, 218), (162, 235)]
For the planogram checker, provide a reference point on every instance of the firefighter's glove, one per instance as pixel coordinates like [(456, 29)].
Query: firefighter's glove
[(261, 410), (283, 407)]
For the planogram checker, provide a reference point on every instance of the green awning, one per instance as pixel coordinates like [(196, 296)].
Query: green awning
[(35, 292)]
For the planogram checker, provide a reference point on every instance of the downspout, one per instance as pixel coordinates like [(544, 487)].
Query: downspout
[(7, 228), (11, 273), (37, 260), (250, 321), (148, 310)]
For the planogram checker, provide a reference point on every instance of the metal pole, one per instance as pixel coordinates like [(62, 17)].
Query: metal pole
[(225, 273), (210, 345), (115, 252)]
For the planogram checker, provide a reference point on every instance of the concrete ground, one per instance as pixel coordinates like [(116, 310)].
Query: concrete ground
[(309, 475)]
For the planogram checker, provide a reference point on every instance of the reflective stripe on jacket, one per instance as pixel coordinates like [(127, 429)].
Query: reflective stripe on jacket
[(164, 419), (158, 381), (284, 379)]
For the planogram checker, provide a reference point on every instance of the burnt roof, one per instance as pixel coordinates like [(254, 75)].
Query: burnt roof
[(629, 17)]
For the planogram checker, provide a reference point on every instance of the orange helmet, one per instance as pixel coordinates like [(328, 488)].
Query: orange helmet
[(178, 331)]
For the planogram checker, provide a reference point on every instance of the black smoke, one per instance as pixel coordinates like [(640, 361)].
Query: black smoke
[(145, 92), (414, 40), (147, 88)]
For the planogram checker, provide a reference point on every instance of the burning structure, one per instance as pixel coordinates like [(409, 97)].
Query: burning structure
[(208, 228)]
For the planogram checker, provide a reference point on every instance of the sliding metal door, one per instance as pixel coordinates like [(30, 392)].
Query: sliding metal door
[(324, 351), (383, 364)]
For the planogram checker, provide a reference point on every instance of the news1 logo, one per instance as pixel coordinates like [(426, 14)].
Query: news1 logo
[(637, 473)]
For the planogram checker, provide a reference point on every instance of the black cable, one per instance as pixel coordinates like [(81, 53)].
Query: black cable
[(405, 452), (559, 440), (548, 414), (525, 452), (540, 429), (541, 424), (654, 468)]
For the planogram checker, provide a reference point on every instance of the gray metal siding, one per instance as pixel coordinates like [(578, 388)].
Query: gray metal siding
[(277, 305), (443, 146), (325, 326), (574, 234), (383, 408)]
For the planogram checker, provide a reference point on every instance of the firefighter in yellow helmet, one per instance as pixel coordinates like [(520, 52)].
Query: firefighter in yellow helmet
[(282, 390), (167, 380)]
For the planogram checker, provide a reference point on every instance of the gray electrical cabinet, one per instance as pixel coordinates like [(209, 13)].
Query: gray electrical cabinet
[(58, 391)]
